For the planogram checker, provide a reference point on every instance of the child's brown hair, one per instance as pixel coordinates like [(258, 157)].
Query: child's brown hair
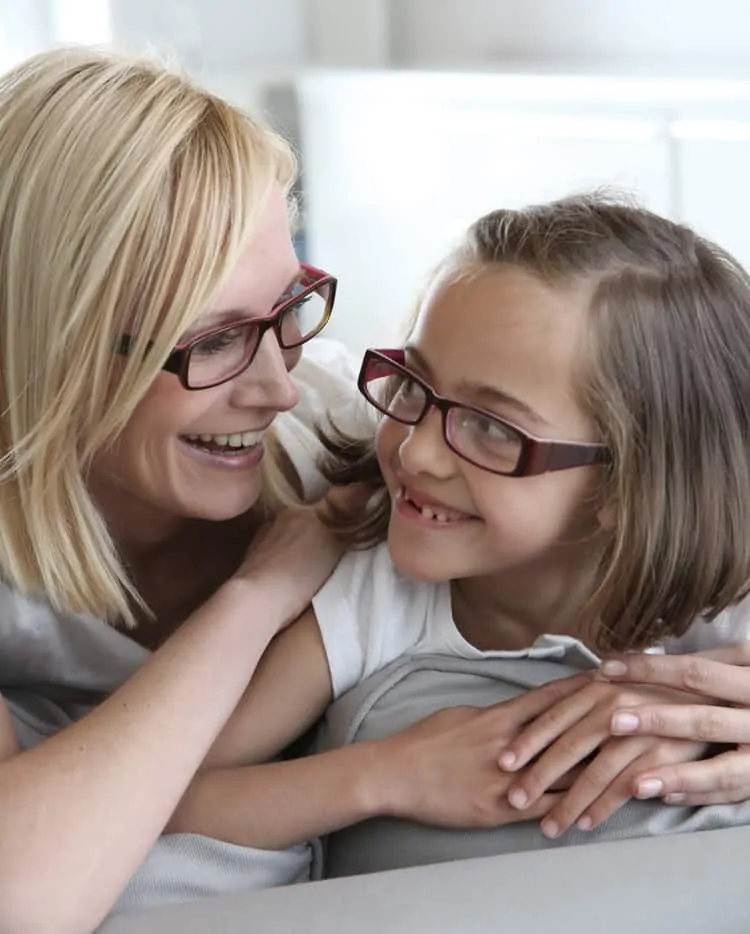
[(666, 380)]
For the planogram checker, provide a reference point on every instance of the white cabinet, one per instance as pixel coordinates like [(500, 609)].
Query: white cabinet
[(397, 164)]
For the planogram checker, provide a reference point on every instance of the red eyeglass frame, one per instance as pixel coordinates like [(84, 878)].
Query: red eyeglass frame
[(538, 455), (178, 361)]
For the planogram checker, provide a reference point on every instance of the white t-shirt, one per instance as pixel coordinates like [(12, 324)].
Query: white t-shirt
[(369, 614)]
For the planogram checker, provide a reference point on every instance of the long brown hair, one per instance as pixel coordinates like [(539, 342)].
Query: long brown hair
[(667, 383)]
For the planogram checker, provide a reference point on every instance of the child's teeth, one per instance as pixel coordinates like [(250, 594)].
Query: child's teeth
[(221, 440), (441, 517), (427, 512)]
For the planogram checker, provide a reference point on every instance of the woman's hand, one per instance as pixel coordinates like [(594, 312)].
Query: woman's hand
[(719, 683), (291, 558), (576, 729)]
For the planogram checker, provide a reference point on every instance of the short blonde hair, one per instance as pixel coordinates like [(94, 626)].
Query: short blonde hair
[(126, 196), (665, 377)]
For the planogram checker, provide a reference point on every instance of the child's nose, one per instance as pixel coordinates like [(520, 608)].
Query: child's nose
[(424, 450)]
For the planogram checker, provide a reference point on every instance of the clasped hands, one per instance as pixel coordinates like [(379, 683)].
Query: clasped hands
[(572, 752)]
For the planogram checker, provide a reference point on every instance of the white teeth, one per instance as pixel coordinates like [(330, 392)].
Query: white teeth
[(239, 439), (427, 512), (441, 517)]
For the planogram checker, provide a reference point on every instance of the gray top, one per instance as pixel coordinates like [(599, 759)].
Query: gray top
[(54, 667)]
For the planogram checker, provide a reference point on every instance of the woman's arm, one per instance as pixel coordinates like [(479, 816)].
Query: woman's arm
[(100, 792)]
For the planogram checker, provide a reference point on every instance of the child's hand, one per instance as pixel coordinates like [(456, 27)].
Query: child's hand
[(443, 771), (573, 729)]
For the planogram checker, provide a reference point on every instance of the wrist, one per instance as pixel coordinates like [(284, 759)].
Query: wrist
[(258, 604), (384, 785)]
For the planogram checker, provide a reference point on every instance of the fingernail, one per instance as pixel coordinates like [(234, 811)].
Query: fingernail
[(585, 823), (624, 723), (507, 760), (518, 798), (550, 829), (613, 667), (674, 797), (649, 788)]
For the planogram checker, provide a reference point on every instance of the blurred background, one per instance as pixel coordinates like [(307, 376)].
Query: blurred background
[(412, 117)]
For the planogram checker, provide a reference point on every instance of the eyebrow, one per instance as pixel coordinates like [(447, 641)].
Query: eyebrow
[(218, 318), (480, 391)]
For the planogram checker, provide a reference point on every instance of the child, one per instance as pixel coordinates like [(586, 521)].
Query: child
[(563, 464)]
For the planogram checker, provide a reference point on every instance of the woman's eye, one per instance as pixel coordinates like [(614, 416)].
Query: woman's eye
[(219, 342)]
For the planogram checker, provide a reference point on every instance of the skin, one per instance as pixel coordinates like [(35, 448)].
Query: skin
[(519, 561), (108, 784), (150, 483)]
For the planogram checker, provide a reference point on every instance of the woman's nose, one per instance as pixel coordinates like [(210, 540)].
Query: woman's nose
[(266, 383)]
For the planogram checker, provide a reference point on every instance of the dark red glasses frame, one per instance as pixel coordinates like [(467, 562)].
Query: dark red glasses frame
[(178, 362), (537, 456)]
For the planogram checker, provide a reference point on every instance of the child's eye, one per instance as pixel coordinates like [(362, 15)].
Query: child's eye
[(487, 431)]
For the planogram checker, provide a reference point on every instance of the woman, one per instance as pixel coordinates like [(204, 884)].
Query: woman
[(138, 214)]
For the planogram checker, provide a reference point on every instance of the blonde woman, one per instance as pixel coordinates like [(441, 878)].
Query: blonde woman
[(151, 309)]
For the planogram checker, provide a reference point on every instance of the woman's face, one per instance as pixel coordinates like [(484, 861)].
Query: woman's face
[(171, 461)]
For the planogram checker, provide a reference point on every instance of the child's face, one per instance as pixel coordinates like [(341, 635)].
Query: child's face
[(501, 333)]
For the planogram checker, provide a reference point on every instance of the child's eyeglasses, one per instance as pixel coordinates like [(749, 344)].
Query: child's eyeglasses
[(218, 355), (477, 436)]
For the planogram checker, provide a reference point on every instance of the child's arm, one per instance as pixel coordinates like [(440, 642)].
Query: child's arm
[(289, 691), (441, 771)]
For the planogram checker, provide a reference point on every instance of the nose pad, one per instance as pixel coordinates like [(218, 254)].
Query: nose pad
[(424, 450), (266, 382)]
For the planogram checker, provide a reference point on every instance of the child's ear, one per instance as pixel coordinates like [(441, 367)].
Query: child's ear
[(606, 517)]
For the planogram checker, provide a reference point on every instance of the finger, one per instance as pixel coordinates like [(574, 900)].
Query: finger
[(733, 653), (726, 775), (600, 788), (537, 811), (561, 757), (701, 800), (684, 721), (692, 673), (553, 714), (621, 789)]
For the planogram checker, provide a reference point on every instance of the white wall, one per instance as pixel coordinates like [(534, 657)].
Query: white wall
[(397, 165), (685, 33)]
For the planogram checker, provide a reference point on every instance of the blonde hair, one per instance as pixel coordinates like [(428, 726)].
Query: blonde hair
[(665, 378), (126, 196)]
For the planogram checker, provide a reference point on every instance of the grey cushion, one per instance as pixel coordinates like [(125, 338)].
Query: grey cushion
[(411, 689)]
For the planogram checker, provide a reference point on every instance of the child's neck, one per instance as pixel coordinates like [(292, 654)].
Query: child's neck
[(504, 615)]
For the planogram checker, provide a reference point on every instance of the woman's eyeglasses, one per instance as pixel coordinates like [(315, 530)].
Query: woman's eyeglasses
[(218, 355), (475, 435)]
